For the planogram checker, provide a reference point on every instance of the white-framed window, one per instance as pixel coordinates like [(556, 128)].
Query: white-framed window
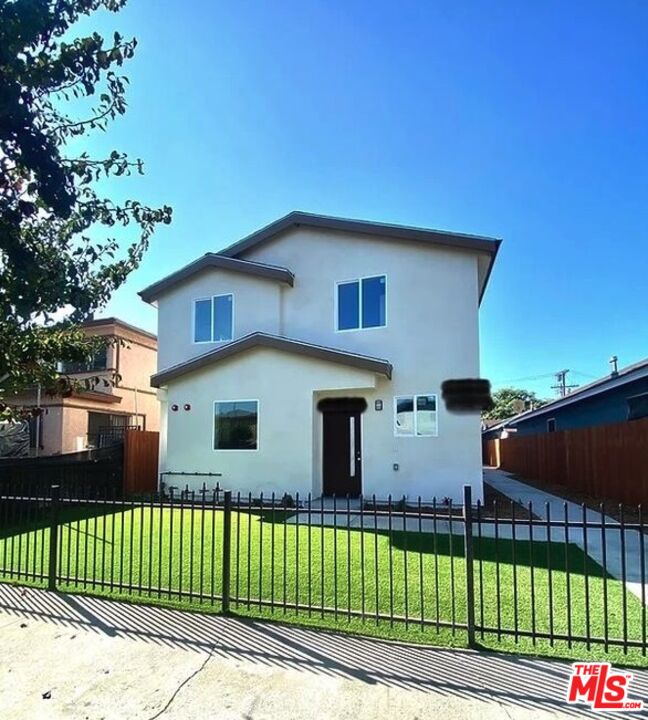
[(236, 425), (213, 318), (416, 415), (361, 303)]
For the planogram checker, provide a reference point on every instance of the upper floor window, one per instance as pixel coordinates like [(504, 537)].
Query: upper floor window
[(97, 362), (213, 319), (361, 303)]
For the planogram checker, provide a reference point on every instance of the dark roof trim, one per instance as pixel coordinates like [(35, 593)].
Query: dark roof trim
[(100, 322), (460, 241), (404, 232), (254, 340), (628, 374), (222, 262)]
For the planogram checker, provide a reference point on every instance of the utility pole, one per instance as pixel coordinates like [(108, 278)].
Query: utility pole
[(561, 383)]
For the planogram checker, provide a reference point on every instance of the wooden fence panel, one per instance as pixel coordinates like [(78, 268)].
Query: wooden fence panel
[(609, 462), (140, 461)]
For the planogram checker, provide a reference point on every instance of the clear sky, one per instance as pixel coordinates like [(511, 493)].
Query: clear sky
[(521, 120)]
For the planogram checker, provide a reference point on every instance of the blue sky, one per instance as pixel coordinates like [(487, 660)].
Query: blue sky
[(526, 121)]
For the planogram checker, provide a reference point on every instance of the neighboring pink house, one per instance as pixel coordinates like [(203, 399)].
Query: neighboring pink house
[(94, 418)]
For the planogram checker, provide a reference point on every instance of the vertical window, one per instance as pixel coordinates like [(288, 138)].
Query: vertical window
[(236, 425), (373, 302), (348, 306), (222, 318), (362, 303), (416, 416), (202, 321), (551, 425), (213, 319)]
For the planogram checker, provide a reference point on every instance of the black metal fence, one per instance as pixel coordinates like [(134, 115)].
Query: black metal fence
[(498, 576), (89, 473), (107, 436)]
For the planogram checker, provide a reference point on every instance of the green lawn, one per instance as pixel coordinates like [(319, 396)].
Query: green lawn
[(178, 555)]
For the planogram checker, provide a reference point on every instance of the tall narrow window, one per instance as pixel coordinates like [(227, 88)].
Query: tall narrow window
[(236, 425), (362, 303), (213, 319), (348, 306), (202, 321), (222, 318)]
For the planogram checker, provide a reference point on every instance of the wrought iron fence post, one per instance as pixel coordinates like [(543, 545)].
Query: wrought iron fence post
[(470, 575), (55, 491), (227, 544)]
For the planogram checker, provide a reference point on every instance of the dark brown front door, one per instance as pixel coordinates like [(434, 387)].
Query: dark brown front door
[(342, 460)]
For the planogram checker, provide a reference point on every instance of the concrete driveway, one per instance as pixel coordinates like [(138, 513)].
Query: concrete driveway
[(66, 656)]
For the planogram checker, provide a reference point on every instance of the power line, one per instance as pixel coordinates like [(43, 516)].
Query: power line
[(529, 378), (585, 375)]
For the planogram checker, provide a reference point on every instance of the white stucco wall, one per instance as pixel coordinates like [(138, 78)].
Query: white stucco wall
[(256, 308), (284, 385), (431, 335)]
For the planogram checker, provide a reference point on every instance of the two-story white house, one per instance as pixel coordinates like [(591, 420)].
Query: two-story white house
[(309, 357)]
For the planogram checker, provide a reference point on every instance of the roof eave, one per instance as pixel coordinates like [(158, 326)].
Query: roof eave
[(263, 340), (217, 261)]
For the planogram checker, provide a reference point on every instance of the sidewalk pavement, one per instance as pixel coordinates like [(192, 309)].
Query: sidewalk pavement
[(69, 656)]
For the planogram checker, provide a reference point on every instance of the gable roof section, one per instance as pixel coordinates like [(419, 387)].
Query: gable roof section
[(231, 258), (439, 238), (298, 218), (265, 340), (626, 375), (217, 260)]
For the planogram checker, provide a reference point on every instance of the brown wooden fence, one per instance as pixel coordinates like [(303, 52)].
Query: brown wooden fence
[(140, 461), (609, 462)]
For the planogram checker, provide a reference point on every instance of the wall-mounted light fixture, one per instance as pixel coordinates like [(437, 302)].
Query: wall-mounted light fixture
[(378, 405), (187, 406), (174, 407)]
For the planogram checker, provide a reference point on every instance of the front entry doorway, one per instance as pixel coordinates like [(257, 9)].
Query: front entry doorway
[(342, 446)]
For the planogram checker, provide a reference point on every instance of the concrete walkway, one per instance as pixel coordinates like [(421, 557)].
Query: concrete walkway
[(520, 492), (67, 656)]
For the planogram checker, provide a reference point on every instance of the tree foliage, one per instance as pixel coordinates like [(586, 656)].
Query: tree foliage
[(511, 401), (59, 254)]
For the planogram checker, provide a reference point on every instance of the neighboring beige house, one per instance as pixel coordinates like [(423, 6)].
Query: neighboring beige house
[(310, 356), (95, 417)]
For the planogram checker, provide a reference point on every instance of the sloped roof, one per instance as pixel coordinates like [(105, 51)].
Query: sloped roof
[(266, 340), (442, 238), (231, 258), (216, 260), (402, 232), (627, 374)]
